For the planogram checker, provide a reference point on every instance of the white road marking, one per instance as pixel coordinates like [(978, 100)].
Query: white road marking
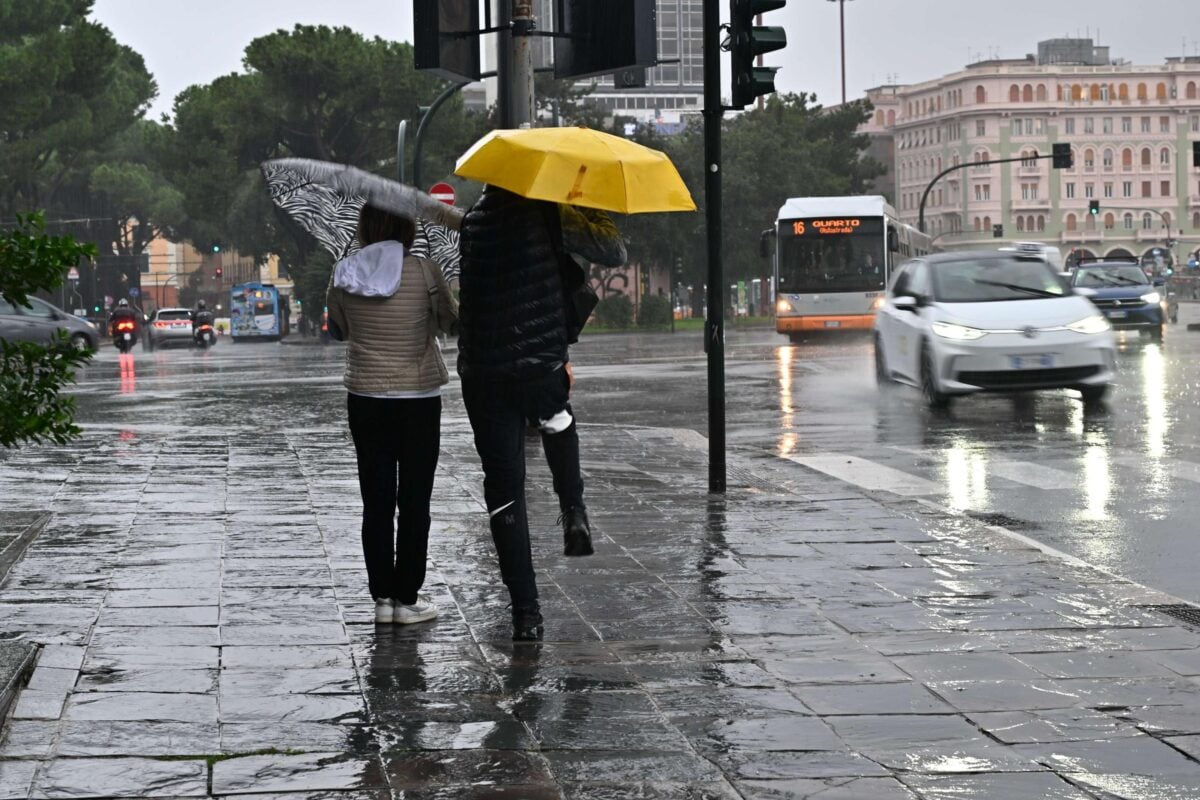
[(868, 474), (1024, 472)]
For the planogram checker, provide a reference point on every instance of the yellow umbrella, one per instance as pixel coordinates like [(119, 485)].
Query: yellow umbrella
[(578, 166)]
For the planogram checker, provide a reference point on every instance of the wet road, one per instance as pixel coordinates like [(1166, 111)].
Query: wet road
[(1116, 487)]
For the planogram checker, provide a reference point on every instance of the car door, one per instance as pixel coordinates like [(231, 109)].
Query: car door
[(910, 322), (14, 327), (42, 320), (885, 317)]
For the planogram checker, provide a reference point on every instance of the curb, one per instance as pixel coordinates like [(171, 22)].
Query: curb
[(16, 665), (16, 533)]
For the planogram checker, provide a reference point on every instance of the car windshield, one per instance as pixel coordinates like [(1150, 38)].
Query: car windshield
[(1106, 276), (172, 315), (985, 280)]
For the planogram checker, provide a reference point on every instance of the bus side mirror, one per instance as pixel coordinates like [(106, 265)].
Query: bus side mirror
[(764, 249), (893, 241)]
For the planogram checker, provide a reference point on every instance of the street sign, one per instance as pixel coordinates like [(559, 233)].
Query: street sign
[(443, 192), (72, 274), (134, 291)]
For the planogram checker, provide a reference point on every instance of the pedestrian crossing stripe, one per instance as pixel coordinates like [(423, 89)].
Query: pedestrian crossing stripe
[(1024, 472), (868, 474)]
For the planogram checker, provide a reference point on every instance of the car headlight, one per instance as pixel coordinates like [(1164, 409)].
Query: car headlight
[(1093, 324), (784, 307), (1153, 298), (961, 333)]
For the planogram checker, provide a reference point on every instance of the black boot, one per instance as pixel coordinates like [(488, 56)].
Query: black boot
[(527, 623), (577, 533)]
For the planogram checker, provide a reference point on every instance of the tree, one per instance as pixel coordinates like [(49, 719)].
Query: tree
[(32, 408)]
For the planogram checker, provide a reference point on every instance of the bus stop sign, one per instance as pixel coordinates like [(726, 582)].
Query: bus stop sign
[(443, 192)]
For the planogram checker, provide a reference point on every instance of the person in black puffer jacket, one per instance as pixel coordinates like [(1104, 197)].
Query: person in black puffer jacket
[(513, 360)]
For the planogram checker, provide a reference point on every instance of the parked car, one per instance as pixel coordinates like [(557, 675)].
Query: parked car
[(170, 326), (41, 321), (1127, 296), (957, 323)]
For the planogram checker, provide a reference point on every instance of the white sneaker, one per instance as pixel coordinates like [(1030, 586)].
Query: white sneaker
[(385, 610), (420, 611)]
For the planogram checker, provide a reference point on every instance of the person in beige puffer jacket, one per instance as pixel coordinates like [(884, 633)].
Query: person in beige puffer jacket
[(389, 307)]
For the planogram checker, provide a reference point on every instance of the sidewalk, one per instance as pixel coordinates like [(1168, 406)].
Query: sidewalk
[(207, 633)]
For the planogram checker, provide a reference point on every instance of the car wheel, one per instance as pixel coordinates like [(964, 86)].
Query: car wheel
[(1093, 394), (934, 397), (883, 375), (80, 341), (1156, 333)]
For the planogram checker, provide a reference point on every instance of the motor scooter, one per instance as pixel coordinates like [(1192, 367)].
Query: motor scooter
[(204, 335), (124, 334)]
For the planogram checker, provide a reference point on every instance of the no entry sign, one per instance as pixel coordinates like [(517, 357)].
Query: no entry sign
[(443, 192)]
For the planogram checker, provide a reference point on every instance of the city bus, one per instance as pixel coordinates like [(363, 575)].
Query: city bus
[(833, 258), (256, 312)]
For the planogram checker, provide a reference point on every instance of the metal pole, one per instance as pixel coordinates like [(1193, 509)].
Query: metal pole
[(401, 130), (964, 165), (420, 140), (714, 326), (504, 64), (523, 26), (842, 24)]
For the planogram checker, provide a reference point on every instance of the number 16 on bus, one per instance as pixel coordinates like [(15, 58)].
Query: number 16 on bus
[(833, 259)]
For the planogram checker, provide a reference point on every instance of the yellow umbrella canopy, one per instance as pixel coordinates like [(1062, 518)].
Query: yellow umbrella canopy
[(578, 166)]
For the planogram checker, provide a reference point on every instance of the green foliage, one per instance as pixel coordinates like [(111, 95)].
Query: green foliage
[(33, 375), (654, 312), (614, 311), (312, 280)]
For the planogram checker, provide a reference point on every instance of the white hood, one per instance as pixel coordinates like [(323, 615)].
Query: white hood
[(373, 271)]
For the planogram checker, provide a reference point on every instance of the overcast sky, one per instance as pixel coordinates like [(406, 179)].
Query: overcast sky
[(188, 42)]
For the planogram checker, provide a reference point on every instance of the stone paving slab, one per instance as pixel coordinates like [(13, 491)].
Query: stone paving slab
[(206, 631)]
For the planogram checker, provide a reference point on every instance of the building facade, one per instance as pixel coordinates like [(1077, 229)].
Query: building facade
[(1130, 129)]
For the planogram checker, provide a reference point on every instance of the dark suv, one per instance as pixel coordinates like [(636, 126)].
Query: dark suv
[(1128, 298)]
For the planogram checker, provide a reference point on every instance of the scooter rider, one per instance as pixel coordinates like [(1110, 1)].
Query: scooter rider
[(201, 316), (122, 311)]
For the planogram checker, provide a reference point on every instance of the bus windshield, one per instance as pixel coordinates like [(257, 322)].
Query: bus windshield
[(821, 255)]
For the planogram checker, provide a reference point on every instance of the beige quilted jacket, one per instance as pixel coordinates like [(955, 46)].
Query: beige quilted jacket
[(391, 343)]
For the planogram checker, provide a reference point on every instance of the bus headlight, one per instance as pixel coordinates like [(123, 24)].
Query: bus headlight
[(960, 333), (877, 303), (784, 307)]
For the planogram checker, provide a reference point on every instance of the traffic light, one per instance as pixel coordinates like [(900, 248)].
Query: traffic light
[(998, 231), (216, 248), (1196, 154), (220, 272), (446, 38), (613, 36), (747, 41), (1093, 207), (1062, 158)]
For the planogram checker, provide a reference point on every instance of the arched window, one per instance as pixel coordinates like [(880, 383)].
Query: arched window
[(1127, 159), (980, 94), (939, 102), (1058, 92), (1089, 159), (908, 109), (1029, 158), (1027, 93), (978, 224), (891, 116), (1074, 159), (1089, 222), (1164, 156), (1107, 158), (1141, 92), (1020, 223), (1128, 220), (987, 223), (1123, 91), (924, 107), (1190, 91), (1071, 222), (1041, 223), (1110, 221), (1196, 219), (1076, 92), (1160, 91), (1041, 92), (879, 118), (1014, 94), (1095, 91), (1146, 156), (1147, 222)]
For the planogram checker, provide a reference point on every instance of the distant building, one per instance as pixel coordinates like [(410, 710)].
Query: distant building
[(1130, 128)]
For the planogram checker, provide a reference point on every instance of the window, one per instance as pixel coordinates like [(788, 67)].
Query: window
[(1089, 125), (1027, 94), (1196, 219), (1041, 92), (1107, 125), (1164, 124), (1142, 94), (1147, 222), (1164, 156), (1128, 220), (1041, 223), (1160, 91), (1076, 92), (1089, 160), (980, 94), (1018, 127), (1070, 190), (1089, 190), (1108, 159), (1071, 222), (978, 224), (1069, 125), (1164, 188), (1145, 188), (1145, 124), (1014, 94), (1190, 91), (1126, 124), (1127, 189), (1110, 222), (980, 128), (1020, 223), (1127, 159), (1123, 92), (1029, 159), (1029, 191), (1146, 156), (1108, 189)]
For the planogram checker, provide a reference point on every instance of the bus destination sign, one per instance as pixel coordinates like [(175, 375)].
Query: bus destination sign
[(825, 227)]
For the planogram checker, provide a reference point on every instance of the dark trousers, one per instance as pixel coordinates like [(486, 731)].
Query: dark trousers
[(562, 456), (499, 412), (396, 442)]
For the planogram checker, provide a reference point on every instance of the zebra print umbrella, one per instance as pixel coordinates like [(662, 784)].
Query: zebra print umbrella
[(325, 198)]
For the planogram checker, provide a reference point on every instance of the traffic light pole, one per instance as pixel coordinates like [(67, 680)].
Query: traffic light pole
[(714, 326), (964, 165)]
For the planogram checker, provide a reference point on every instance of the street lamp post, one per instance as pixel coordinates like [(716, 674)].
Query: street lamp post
[(842, 37)]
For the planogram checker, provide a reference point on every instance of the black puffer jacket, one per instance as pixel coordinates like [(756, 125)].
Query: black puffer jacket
[(511, 321)]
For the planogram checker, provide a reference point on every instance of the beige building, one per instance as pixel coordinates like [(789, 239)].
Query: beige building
[(1130, 128), (176, 266)]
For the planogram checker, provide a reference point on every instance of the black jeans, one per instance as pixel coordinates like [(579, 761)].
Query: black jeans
[(396, 442), (499, 412)]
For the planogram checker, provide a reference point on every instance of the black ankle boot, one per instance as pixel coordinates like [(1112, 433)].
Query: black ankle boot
[(577, 533), (527, 624)]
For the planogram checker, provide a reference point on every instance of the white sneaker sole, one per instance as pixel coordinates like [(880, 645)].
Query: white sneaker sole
[(408, 618)]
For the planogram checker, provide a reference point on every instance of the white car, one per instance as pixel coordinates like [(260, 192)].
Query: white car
[(964, 322)]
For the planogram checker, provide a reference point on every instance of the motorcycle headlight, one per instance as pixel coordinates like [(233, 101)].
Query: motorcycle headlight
[(1153, 298), (1090, 325), (784, 307), (961, 333)]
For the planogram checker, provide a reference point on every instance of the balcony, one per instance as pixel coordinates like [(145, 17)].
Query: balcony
[(1031, 204), (1081, 236), (1029, 170), (1194, 201), (1156, 234)]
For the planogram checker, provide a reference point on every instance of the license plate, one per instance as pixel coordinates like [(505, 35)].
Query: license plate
[(833, 323), (1118, 314), (1040, 361)]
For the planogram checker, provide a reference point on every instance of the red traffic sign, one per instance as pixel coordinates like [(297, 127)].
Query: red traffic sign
[(443, 192)]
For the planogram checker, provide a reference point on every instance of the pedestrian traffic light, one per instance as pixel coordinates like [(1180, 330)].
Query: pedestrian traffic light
[(1094, 207), (747, 42), (1062, 157), (998, 231)]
